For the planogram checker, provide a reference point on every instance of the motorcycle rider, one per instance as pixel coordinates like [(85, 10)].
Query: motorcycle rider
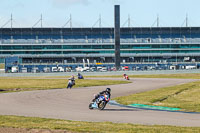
[(125, 76), (80, 76), (106, 92), (72, 78)]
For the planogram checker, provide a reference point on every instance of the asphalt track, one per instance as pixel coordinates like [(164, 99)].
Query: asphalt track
[(72, 104)]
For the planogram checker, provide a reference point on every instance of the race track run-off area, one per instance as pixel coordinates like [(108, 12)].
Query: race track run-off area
[(72, 104)]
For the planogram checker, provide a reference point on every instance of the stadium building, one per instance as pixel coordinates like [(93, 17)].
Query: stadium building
[(32, 49), (72, 45)]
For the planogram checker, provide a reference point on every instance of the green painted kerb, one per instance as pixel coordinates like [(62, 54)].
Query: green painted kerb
[(154, 107)]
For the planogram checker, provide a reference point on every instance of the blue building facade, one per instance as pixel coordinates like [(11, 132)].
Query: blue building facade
[(72, 45)]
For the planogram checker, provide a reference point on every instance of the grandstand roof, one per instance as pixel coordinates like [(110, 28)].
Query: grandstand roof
[(83, 31)]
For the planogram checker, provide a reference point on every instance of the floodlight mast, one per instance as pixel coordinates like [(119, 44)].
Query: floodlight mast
[(69, 21), (157, 21), (186, 23), (158, 24), (129, 21), (98, 21), (186, 20), (40, 20), (9, 21)]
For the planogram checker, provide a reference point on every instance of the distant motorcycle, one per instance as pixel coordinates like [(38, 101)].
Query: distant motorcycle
[(80, 76), (100, 102), (126, 77)]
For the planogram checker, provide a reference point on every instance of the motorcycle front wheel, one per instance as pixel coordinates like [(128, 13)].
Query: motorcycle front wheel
[(90, 106)]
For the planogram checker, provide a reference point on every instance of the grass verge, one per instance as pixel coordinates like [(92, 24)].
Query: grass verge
[(20, 84), (185, 96), (97, 127), (179, 76)]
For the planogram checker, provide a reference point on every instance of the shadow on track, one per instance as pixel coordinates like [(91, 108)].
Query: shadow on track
[(120, 110)]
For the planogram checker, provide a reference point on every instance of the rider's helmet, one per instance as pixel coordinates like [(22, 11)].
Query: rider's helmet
[(108, 89)]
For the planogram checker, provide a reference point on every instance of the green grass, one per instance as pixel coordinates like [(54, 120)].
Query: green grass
[(185, 96), (20, 84), (179, 76), (97, 127)]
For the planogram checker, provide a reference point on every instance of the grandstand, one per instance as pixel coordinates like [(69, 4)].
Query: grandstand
[(72, 45)]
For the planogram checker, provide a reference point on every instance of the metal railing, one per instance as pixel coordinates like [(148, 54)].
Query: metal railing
[(104, 40)]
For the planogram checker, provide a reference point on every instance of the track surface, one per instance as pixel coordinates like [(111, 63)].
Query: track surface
[(73, 105)]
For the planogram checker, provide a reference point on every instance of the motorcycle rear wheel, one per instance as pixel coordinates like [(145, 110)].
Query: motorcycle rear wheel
[(101, 105)]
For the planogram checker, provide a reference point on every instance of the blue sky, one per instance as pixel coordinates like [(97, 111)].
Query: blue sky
[(85, 13)]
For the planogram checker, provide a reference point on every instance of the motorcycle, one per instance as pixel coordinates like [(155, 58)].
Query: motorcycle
[(127, 78), (80, 76), (100, 102)]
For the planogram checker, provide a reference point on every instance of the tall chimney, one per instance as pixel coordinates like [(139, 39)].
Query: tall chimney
[(117, 37)]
